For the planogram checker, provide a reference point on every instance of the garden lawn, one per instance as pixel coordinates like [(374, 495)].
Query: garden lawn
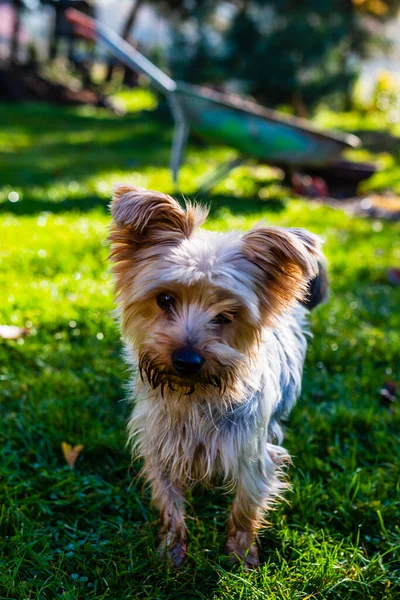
[(90, 532)]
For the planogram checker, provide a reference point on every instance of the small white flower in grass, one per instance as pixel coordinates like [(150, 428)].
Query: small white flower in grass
[(73, 186), (99, 335), (102, 186), (72, 324), (41, 221), (377, 226), (13, 196), (42, 253)]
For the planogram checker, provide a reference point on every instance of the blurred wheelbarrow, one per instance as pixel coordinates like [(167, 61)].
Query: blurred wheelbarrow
[(267, 135)]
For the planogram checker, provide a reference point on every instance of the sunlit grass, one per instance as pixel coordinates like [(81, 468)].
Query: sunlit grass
[(90, 533)]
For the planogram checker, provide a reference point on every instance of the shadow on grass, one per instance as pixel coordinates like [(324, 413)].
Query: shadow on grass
[(83, 204), (47, 146), (44, 144), (243, 205), (32, 206)]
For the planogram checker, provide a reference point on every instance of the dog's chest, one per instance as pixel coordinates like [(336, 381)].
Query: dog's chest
[(212, 442)]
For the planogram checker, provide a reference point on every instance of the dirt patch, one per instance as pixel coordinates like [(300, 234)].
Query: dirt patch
[(18, 84)]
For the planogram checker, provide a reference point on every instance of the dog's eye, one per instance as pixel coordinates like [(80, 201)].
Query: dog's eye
[(222, 319), (165, 301)]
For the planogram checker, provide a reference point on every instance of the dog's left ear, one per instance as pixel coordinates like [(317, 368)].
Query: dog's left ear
[(285, 260)]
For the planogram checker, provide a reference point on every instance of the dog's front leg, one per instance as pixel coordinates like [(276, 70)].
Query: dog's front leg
[(243, 523), (169, 500), (258, 484)]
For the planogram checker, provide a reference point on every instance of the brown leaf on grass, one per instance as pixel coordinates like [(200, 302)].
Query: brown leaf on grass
[(71, 453), (11, 332), (388, 392)]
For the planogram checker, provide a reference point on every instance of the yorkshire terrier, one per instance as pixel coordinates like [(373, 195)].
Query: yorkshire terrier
[(214, 327)]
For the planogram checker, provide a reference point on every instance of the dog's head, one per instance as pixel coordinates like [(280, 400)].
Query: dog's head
[(194, 302)]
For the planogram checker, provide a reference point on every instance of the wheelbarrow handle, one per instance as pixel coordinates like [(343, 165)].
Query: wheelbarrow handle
[(91, 29), (83, 25)]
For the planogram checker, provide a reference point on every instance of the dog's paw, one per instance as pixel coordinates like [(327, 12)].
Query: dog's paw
[(242, 553), (172, 550)]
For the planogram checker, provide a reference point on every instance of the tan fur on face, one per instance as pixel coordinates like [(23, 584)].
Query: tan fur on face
[(156, 335), (147, 225), (155, 249)]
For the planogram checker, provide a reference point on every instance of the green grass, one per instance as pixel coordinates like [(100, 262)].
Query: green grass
[(90, 532)]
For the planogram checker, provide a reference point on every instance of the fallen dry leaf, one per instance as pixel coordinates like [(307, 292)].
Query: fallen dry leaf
[(11, 332), (71, 453)]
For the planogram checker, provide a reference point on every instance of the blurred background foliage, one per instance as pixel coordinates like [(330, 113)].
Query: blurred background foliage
[(281, 52)]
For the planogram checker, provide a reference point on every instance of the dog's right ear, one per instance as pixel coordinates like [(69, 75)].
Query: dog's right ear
[(153, 217), (144, 223)]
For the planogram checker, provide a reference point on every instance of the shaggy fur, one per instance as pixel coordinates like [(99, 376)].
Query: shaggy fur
[(236, 299)]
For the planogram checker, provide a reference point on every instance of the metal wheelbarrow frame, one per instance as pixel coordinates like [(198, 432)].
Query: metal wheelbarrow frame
[(267, 135)]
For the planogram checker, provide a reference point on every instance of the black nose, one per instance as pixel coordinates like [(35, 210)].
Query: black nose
[(187, 361)]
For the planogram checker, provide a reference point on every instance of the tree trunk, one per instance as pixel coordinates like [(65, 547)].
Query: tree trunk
[(129, 23), (14, 45)]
